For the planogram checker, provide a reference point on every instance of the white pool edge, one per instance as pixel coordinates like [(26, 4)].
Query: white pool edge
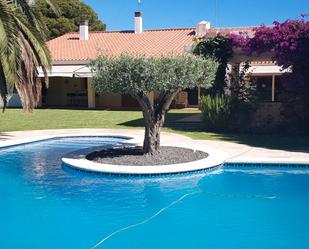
[(14, 142), (215, 158)]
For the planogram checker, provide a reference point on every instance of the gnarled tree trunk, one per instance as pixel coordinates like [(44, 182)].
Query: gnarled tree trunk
[(154, 118), (152, 137)]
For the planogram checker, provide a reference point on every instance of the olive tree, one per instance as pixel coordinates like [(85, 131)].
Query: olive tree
[(138, 76)]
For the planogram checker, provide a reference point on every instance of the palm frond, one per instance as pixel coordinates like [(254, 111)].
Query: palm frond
[(23, 50), (8, 41), (29, 88)]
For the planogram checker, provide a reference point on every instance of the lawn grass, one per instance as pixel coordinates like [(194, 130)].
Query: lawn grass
[(17, 120)]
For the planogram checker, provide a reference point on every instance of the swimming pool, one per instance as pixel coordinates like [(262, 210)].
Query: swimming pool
[(45, 205)]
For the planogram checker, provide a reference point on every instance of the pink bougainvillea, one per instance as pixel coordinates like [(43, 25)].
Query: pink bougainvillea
[(288, 44), (287, 41)]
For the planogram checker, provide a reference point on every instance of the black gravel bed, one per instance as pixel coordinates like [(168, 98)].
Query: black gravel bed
[(133, 156)]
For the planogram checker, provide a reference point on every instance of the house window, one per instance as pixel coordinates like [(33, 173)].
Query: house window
[(268, 88), (263, 88)]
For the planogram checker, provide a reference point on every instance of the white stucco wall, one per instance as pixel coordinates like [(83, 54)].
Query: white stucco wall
[(13, 101)]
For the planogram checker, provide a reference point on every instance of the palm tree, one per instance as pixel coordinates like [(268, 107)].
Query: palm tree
[(23, 50)]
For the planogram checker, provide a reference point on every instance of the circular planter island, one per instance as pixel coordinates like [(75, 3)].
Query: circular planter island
[(129, 160)]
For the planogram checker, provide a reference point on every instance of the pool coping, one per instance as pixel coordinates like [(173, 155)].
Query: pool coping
[(24, 141), (215, 158), (245, 155)]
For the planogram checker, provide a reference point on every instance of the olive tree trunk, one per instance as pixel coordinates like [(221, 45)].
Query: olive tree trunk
[(154, 118), (152, 137)]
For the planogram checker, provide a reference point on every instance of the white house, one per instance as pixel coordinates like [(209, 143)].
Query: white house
[(70, 79)]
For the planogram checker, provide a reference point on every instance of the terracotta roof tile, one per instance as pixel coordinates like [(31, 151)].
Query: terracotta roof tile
[(150, 43), (224, 31)]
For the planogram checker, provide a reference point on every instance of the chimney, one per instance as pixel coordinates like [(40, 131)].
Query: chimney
[(138, 23), (201, 28), (83, 30)]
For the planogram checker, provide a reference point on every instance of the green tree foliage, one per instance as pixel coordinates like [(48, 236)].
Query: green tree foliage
[(219, 48), (139, 76), (71, 13), (22, 51)]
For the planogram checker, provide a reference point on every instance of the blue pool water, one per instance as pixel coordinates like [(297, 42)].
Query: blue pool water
[(45, 205)]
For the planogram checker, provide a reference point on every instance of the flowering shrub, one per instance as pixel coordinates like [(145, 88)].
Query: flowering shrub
[(288, 42), (288, 45)]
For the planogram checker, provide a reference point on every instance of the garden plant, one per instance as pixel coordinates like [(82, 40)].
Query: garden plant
[(140, 77)]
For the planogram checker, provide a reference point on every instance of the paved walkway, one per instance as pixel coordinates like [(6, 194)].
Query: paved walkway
[(234, 152)]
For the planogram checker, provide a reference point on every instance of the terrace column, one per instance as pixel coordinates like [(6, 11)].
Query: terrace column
[(273, 85), (91, 93)]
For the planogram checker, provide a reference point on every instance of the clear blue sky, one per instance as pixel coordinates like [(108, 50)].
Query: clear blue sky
[(118, 14)]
